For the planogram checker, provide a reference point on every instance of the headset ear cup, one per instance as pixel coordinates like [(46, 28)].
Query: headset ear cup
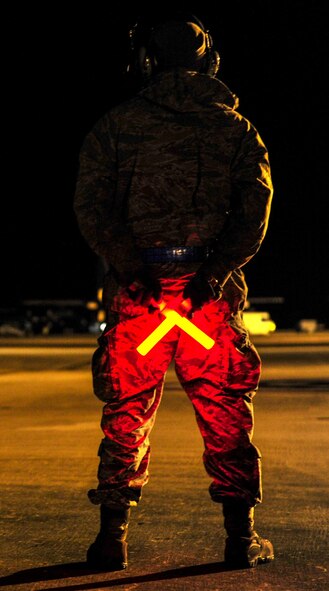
[(145, 63), (211, 63), (214, 63)]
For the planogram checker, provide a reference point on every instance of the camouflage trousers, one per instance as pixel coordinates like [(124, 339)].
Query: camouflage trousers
[(220, 383)]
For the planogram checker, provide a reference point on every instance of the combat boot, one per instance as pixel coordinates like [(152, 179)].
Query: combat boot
[(109, 551), (244, 548)]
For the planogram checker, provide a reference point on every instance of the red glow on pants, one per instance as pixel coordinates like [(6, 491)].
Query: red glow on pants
[(220, 382)]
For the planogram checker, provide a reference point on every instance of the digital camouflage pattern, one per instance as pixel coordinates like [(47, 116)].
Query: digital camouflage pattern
[(176, 165), (220, 383)]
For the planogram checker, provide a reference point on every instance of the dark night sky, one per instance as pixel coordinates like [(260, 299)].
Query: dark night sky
[(66, 71)]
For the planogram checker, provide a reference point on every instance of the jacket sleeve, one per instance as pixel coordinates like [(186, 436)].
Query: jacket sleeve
[(95, 201), (247, 221)]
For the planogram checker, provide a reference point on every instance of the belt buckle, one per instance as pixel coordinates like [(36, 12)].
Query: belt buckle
[(178, 252)]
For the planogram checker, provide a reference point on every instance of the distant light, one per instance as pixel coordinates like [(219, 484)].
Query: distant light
[(92, 306), (259, 322), (101, 315), (308, 325)]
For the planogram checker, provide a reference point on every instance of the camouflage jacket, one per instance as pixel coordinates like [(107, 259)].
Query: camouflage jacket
[(176, 165)]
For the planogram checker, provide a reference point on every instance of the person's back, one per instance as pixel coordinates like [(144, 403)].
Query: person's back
[(174, 191), (177, 144)]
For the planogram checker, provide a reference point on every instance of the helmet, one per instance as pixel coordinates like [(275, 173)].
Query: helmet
[(177, 39)]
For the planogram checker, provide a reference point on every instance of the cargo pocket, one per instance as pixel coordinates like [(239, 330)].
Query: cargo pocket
[(101, 369), (244, 363)]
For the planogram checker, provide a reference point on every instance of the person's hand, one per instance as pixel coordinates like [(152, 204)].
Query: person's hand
[(200, 291), (144, 287)]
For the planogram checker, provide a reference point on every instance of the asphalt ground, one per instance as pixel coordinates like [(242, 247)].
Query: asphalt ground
[(49, 439)]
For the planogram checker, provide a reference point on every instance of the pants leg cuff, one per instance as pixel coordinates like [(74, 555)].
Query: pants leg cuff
[(115, 498)]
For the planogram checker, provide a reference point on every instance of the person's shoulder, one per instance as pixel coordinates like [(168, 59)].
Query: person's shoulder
[(122, 112), (114, 115), (233, 117), (125, 105), (236, 117)]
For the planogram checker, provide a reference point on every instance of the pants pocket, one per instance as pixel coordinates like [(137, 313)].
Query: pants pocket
[(244, 363), (101, 370)]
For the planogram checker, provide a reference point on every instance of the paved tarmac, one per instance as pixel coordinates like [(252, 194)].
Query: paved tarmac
[(49, 439)]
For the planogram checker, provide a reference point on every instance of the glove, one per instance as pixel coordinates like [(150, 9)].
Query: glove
[(201, 291), (144, 287)]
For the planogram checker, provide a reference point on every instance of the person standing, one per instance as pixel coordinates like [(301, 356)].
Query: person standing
[(174, 192)]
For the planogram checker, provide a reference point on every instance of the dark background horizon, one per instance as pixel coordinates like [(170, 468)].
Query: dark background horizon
[(66, 71)]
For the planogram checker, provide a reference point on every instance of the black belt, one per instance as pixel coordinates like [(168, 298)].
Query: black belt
[(175, 254)]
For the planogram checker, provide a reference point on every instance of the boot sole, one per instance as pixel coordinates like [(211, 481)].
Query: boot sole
[(259, 560), (234, 564), (106, 565)]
